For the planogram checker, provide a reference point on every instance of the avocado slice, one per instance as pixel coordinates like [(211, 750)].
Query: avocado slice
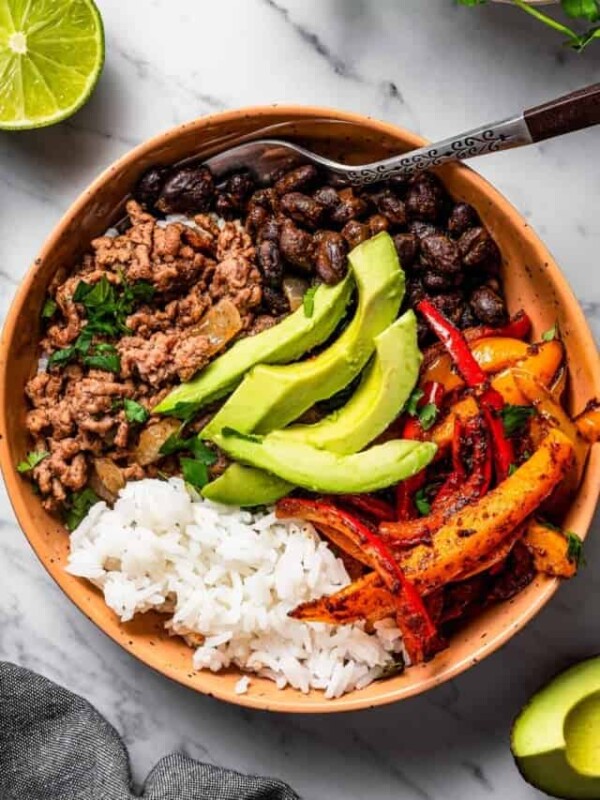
[(379, 398), (322, 471), (556, 737), (271, 397), (287, 341)]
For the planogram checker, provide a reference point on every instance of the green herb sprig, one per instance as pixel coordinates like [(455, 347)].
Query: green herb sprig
[(194, 470), (32, 459), (584, 11)]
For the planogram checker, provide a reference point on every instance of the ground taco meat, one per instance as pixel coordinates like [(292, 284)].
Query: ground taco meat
[(77, 411)]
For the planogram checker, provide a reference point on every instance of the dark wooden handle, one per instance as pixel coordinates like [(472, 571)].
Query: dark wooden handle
[(580, 109)]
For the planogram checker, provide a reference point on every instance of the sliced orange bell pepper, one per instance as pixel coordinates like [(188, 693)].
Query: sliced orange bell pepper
[(542, 362), (588, 422), (492, 355), (550, 550), (463, 543)]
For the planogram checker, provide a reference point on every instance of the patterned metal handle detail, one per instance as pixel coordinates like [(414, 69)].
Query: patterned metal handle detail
[(500, 136)]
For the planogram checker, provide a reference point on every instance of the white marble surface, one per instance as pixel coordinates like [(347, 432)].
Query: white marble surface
[(421, 63)]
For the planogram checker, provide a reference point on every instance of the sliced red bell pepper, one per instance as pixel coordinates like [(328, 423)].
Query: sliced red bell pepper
[(518, 327), (405, 496), (419, 633), (378, 509), (490, 399)]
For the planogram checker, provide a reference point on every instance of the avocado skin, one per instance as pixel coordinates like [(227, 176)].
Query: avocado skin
[(325, 472), (270, 397), (284, 342), (537, 740), (379, 398)]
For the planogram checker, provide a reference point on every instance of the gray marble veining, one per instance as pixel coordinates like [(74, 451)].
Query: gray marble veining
[(436, 69)]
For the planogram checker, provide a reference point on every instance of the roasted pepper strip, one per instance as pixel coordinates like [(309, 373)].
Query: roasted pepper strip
[(402, 535), (542, 361), (550, 550), (492, 354), (489, 398), (376, 508), (462, 544), (419, 633), (588, 422), (519, 327)]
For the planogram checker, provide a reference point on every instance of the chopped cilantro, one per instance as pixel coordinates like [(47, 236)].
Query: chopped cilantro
[(427, 415), (551, 333), (515, 418), (574, 548), (176, 444), (49, 308), (79, 505), (194, 472), (134, 411), (32, 459), (422, 503), (308, 301), (411, 405), (512, 469), (105, 357)]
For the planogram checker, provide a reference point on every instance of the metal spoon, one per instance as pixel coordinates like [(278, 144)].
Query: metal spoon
[(580, 109)]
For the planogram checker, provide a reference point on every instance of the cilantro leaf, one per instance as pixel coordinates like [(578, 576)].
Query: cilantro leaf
[(105, 357), (515, 418), (134, 411), (428, 415), (62, 356), (49, 308), (32, 459), (512, 469), (308, 301), (79, 505), (412, 402), (228, 432), (551, 333), (176, 444), (194, 472), (422, 503), (574, 548), (471, 3)]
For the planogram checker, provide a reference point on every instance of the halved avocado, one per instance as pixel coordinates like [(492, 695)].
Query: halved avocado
[(271, 397), (556, 737), (322, 471), (287, 341), (379, 398)]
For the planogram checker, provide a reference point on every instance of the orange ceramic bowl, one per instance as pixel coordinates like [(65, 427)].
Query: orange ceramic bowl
[(532, 281)]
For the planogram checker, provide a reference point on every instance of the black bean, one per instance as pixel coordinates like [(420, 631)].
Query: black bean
[(355, 232), (330, 261), (296, 246), (437, 282), (451, 304), (190, 188), (422, 229), (274, 301), (415, 291), (327, 196), (407, 247), (350, 207), (487, 306), (262, 205), (270, 230), (377, 223), (440, 253), (391, 207), (269, 261), (302, 208), (462, 217), (478, 249), (240, 186), (150, 184), (425, 198), (296, 179)]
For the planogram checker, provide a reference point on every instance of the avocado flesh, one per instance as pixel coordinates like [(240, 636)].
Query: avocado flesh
[(555, 739), (381, 395), (287, 341), (271, 397), (323, 471)]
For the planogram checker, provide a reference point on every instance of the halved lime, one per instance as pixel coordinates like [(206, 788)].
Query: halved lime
[(51, 56)]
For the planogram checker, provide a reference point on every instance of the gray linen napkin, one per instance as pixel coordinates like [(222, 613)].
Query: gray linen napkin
[(55, 746)]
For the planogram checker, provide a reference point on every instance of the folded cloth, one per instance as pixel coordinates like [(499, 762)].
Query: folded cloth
[(55, 746)]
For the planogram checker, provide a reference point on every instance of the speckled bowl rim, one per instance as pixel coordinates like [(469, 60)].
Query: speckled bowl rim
[(289, 701)]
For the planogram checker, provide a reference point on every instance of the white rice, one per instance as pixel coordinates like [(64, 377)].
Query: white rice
[(228, 577)]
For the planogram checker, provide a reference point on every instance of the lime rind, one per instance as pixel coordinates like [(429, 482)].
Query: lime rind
[(64, 59)]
